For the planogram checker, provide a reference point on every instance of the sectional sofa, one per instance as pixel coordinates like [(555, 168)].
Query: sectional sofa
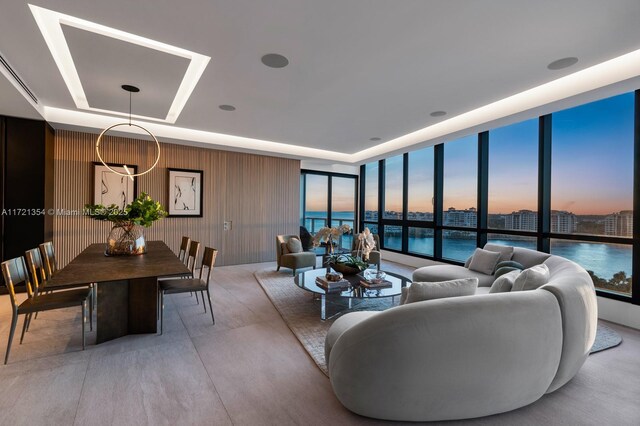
[(465, 357)]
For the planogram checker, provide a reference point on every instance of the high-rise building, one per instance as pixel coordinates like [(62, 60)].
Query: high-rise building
[(522, 220), (466, 218), (563, 222), (619, 224)]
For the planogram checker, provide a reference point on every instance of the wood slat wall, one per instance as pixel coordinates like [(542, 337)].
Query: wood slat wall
[(260, 195)]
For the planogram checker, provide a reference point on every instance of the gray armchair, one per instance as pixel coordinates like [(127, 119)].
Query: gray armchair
[(293, 261), (374, 256)]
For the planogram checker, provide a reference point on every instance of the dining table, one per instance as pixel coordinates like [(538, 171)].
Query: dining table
[(127, 286)]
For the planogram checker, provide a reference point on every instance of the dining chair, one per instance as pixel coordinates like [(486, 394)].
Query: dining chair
[(48, 258), (36, 270), (193, 284), (184, 249), (14, 272)]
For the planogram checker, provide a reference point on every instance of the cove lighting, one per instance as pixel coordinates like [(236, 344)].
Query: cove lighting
[(50, 24)]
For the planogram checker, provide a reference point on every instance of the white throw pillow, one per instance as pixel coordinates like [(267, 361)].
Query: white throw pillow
[(506, 252), (484, 261), (418, 291), (532, 278), (504, 283)]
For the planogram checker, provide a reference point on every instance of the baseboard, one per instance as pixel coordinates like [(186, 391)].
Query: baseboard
[(615, 311), (619, 312)]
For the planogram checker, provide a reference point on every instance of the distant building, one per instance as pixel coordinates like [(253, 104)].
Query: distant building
[(522, 220), (467, 218), (563, 222), (427, 216), (619, 224)]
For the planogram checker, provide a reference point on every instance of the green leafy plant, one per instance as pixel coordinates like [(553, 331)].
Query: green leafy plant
[(141, 211), (348, 260)]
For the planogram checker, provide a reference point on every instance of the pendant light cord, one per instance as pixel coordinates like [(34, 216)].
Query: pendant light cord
[(129, 108)]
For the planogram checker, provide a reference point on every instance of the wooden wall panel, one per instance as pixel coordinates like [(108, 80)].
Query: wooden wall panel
[(259, 194)]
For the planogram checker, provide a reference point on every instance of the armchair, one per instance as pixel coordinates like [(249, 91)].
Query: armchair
[(304, 259)]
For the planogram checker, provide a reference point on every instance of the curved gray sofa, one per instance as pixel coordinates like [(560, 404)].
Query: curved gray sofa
[(464, 357)]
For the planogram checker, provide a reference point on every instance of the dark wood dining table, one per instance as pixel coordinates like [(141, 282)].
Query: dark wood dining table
[(127, 286)]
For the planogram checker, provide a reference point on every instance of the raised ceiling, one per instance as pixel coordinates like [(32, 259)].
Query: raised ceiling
[(358, 70)]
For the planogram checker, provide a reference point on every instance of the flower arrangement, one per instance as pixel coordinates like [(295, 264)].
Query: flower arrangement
[(366, 244), (126, 236), (329, 235)]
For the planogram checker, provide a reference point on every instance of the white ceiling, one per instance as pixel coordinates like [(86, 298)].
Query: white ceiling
[(358, 69)]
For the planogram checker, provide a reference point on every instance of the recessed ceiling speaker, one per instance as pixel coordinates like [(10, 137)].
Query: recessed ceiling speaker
[(562, 63), (275, 60)]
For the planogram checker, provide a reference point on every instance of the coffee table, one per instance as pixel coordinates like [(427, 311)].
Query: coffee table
[(307, 281)]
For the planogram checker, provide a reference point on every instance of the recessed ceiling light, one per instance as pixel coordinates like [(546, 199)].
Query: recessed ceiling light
[(438, 113), (374, 139), (274, 60), (562, 63), (227, 107)]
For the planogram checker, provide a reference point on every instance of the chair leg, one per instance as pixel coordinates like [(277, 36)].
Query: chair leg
[(197, 301), (203, 304), (14, 322), (24, 326), (294, 273), (28, 322), (278, 268), (210, 307), (90, 312), (161, 310), (84, 319)]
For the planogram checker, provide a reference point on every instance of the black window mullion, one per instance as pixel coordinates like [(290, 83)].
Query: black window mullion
[(361, 198), (635, 267), (405, 202), (381, 181), (483, 188), (544, 183), (438, 185)]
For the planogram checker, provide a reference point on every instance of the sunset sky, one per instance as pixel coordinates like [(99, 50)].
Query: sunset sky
[(592, 167)]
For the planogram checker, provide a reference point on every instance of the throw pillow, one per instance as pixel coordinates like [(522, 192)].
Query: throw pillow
[(484, 261), (506, 252), (511, 264), (294, 245), (284, 248), (418, 291), (532, 278), (504, 270), (504, 283)]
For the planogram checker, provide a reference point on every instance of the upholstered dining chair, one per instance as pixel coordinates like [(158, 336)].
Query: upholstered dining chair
[(36, 270), (191, 285), (14, 272)]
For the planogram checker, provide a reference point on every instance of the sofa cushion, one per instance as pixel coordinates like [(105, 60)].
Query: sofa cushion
[(294, 245), (450, 272), (532, 278), (420, 291), (527, 257), (484, 261), (504, 283), (506, 252)]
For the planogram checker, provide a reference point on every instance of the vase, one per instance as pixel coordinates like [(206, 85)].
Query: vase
[(345, 269), (126, 239)]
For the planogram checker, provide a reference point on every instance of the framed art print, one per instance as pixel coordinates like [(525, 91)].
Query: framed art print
[(185, 193), (111, 188)]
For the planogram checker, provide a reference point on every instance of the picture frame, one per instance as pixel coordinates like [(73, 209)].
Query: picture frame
[(185, 193), (111, 188)]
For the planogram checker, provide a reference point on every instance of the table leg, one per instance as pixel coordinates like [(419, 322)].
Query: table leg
[(143, 305), (112, 317), (323, 307)]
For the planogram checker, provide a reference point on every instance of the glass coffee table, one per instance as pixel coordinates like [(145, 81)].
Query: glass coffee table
[(307, 281)]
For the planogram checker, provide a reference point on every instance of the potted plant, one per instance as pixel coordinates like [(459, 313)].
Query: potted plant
[(126, 236)]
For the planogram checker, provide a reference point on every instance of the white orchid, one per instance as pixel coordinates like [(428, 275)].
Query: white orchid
[(366, 243), (329, 234)]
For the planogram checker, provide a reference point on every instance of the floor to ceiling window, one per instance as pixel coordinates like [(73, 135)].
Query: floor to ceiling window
[(562, 183), (328, 199), (592, 189), (460, 198)]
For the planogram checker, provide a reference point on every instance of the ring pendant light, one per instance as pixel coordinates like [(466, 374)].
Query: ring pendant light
[(130, 89)]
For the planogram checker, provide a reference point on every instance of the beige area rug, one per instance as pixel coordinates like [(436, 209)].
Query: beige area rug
[(302, 313)]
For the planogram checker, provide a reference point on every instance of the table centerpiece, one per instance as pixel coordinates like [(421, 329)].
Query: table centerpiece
[(126, 237)]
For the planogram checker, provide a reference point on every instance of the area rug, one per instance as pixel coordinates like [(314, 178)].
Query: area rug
[(301, 312)]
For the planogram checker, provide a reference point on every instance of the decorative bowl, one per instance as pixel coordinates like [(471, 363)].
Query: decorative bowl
[(345, 269), (374, 275)]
